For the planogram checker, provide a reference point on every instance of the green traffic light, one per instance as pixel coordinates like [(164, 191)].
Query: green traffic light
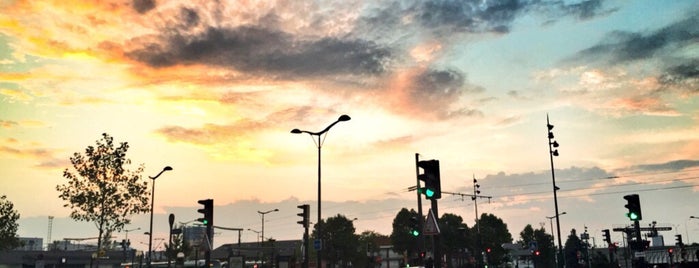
[(429, 192), (414, 233), (633, 216)]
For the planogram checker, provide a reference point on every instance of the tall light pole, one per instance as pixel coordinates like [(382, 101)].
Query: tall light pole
[(551, 220), (257, 234), (152, 201), (263, 220), (263, 227), (554, 152), (319, 144), (126, 237)]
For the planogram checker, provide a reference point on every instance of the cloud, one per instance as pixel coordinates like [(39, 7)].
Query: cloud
[(676, 165), (432, 93), (261, 50), (143, 6), (665, 45)]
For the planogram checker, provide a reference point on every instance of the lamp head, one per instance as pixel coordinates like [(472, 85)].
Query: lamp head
[(549, 126), (167, 168), (555, 144), (555, 152), (344, 117), (296, 131)]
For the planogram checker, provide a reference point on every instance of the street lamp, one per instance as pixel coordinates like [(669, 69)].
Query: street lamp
[(551, 221), (319, 144), (127, 232), (152, 201), (554, 152), (256, 232), (263, 224), (263, 220)]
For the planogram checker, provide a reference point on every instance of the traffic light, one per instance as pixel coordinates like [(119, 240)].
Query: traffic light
[(305, 209), (536, 253), (430, 176), (605, 235), (414, 226), (123, 244), (678, 240), (634, 207), (207, 211), (669, 252)]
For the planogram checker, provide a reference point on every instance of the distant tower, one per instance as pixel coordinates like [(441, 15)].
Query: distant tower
[(48, 237)]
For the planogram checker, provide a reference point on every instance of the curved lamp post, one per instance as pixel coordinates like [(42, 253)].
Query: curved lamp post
[(152, 201), (551, 220), (263, 228), (319, 144), (263, 220)]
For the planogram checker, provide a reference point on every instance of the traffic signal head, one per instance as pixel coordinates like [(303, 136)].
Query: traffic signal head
[(605, 234), (207, 211), (414, 226), (633, 204), (678, 240), (431, 178), (305, 211)]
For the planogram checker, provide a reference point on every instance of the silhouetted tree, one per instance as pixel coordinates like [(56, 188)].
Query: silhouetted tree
[(573, 247), (544, 244), (401, 239), (369, 245), (494, 233), (340, 243), (453, 232), (8, 225), (102, 191)]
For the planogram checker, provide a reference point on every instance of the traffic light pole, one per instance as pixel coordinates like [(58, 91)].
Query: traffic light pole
[(421, 237), (436, 240)]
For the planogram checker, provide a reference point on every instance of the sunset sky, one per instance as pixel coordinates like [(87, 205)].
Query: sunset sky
[(213, 89)]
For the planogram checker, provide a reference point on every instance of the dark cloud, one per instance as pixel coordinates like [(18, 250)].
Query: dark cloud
[(620, 47), (254, 49), (676, 165), (685, 76), (444, 17), (435, 90), (143, 6)]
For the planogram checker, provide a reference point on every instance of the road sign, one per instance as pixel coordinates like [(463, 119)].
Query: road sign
[(431, 226)]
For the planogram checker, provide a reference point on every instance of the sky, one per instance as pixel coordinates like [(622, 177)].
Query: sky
[(213, 89)]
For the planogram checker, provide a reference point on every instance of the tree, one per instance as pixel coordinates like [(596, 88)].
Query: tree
[(544, 244), (8, 225), (369, 243), (340, 243), (494, 233), (102, 190), (401, 239), (572, 247), (453, 232)]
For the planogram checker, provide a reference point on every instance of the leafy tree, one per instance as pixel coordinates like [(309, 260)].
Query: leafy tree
[(544, 243), (8, 225), (401, 239), (453, 232), (494, 233), (572, 247), (340, 243), (102, 190), (369, 244)]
